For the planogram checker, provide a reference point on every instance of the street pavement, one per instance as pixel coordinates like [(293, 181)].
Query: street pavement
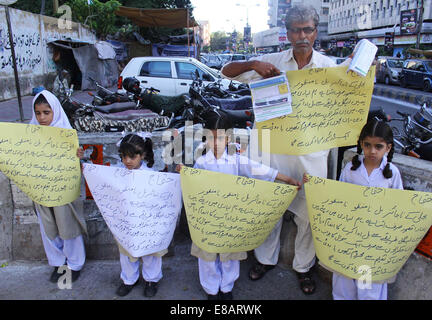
[(99, 279)]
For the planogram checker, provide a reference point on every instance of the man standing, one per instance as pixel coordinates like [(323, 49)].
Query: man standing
[(301, 23)]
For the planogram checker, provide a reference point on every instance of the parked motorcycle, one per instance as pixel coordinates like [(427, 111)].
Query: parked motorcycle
[(188, 107), (105, 96), (119, 116), (416, 137)]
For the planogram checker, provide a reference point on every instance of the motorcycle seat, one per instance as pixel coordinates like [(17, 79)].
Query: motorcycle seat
[(116, 107), (231, 104), (128, 115)]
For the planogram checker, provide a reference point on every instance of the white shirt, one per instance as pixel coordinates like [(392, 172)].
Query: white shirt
[(237, 165), (284, 61), (375, 179), (294, 166)]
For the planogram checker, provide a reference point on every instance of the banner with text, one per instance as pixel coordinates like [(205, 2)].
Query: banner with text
[(358, 229), (330, 106), (41, 161), (140, 207), (228, 213)]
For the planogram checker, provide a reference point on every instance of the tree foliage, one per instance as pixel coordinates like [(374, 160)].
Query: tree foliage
[(100, 14)]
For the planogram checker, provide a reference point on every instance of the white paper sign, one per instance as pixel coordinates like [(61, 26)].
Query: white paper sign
[(271, 98), (140, 207)]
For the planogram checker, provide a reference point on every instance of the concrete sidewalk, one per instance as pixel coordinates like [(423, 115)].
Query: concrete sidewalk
[(99, 279)]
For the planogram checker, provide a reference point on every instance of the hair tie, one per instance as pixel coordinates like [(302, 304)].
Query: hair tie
[(143, 135)]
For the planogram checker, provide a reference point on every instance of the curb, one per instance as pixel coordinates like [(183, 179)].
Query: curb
[(394, 93)]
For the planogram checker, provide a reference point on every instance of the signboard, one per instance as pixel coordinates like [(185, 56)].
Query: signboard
[(247, 34), (389, 40), (408, 21)]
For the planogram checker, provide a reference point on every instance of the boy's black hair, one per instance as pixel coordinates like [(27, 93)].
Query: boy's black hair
[(41, 100), (376, 128), (133, 144)]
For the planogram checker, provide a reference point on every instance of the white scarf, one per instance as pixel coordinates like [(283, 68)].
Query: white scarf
[(60, 119)]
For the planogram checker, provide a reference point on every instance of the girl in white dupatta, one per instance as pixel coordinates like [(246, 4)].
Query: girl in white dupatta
[(61, 227)]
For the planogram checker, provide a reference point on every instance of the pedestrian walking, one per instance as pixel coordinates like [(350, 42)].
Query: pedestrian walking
[(62, 227)]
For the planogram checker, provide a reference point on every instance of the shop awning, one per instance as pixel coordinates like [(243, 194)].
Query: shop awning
[(170, 18)]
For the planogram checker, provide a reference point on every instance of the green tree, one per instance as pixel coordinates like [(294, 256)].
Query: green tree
[(218, 41), (99, 16)]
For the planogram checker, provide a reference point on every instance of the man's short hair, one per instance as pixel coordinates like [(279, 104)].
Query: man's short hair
[(301, 13)]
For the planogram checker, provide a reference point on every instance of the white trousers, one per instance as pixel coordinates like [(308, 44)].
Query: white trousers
[(304, 250), (151, 269), (217, 275), (59, 251), (348, 289)]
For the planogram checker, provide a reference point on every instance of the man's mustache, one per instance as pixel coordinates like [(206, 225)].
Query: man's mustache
[(305, 41)]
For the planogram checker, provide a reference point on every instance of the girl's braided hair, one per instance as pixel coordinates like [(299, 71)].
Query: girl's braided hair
[(133, 144)]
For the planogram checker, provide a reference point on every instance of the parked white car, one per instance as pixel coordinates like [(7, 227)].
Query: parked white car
[(171, 75)]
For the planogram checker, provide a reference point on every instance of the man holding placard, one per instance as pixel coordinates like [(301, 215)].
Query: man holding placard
[(301, 23)]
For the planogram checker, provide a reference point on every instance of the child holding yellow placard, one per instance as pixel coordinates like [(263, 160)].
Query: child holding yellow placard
[(219, 271), (373, 169), (61, 227)]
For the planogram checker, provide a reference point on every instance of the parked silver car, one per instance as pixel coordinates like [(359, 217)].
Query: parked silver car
[(388, 69)]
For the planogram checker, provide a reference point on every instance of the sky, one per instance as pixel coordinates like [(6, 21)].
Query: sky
[(225, 15)]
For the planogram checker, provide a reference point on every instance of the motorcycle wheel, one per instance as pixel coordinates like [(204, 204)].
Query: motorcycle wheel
[(425, 152)]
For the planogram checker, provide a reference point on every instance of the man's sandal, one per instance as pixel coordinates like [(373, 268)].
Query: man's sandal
[(307, 284), (259, 270)]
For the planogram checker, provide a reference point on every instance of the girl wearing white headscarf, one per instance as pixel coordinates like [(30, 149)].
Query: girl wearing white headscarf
[(62, 227)]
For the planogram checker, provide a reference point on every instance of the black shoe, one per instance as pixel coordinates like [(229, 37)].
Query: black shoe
[(75, 275), (213, 296), (55, 276), (124, 289), (226, 295), (150, 289)]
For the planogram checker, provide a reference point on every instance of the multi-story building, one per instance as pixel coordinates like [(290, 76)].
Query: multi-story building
[(277, 12), (377, 19), (204, 32)]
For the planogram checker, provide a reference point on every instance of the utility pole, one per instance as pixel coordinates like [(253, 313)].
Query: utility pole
[(12, 46), (420, 22)]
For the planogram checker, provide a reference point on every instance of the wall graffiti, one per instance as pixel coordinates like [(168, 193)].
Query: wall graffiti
[(27, 51)]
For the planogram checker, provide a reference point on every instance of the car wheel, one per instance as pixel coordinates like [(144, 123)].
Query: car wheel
[(426, 86), (387, 80)]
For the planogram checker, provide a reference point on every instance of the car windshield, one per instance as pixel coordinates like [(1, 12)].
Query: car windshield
[(395, 63), (238, 57), (224, 57), (428, 65), (209, 70)]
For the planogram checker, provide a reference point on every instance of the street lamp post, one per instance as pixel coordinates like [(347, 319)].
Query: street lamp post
[(420, 22), (247, 23)]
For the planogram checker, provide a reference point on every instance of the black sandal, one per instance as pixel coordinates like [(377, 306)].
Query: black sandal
[(307, 284), (259, 270)]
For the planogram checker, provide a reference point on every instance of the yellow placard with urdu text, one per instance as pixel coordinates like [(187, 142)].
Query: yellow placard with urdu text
[(330, 107), (359, 229), (228, 213), (41, 161)]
